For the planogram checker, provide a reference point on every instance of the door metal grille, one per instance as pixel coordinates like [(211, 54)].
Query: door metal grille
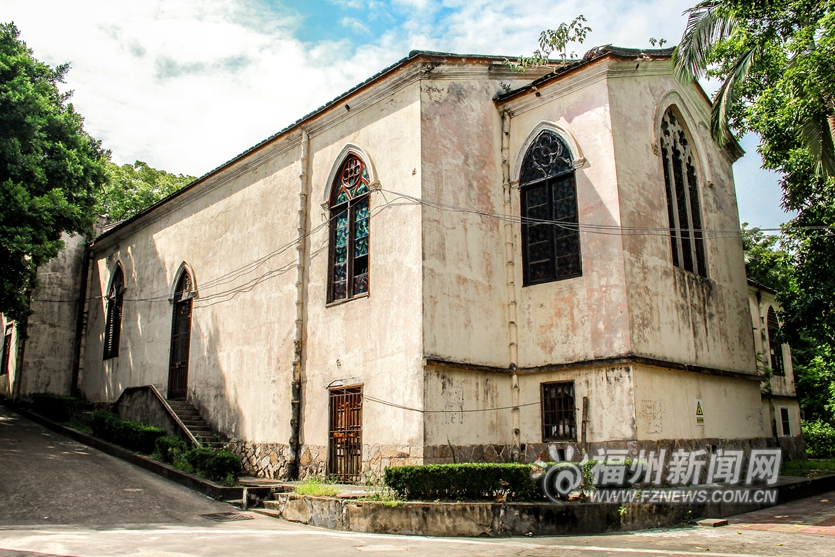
[(345, 443)]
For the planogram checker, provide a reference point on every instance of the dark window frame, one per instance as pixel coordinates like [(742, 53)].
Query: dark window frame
[(547, 164), (775, 349), (349, 198), (785, 420), (113, 319), (558, 411), (684, 204)]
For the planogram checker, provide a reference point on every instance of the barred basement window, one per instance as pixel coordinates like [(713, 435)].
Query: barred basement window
[(775, 350), (550, 231), (113, 323), (683, 207), (558, 423), (349, 242), (7, 350)]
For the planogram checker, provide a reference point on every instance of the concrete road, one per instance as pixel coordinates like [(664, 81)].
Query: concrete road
[(61, 498)]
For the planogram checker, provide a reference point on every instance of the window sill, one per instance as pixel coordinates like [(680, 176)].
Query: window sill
[(346, 300)]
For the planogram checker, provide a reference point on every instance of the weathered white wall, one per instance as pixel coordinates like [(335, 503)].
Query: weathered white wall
[(611, 410), (373, 340), (583, 318), (759, 301), (241, 347), (10, 377), (465, 295), (466, 407), (676, 315), (239, 369), (50, 348), (665, 403)]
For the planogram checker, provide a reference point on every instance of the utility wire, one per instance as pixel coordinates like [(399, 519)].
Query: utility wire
[(615, 230), (422, 411)]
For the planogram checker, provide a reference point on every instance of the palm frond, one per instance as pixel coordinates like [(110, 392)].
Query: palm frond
[(706, 26), (817, 134), (727, 94)]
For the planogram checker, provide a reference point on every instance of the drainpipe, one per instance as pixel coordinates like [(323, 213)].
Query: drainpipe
[(81, 322), (298, 337), (510, 250)]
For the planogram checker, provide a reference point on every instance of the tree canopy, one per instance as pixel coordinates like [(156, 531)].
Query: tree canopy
[(130, 189), (49, 169)]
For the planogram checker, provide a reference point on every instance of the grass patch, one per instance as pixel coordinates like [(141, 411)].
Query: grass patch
[(808, 468), (315, 487)]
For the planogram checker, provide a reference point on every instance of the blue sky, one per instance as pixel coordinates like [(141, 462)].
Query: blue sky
[(185, 85)]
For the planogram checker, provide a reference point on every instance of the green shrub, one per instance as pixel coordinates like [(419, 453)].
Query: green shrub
[(131, 435), (215, 465), (820, 439), (463, 481), (57, 408), (168, 447)]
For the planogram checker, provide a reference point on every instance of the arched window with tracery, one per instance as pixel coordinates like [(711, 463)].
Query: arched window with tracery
[(683, 206), (113, 321), (350, 234), (775, 349), (550, 222)]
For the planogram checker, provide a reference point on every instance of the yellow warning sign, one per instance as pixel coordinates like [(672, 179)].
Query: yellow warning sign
[(700, 413)]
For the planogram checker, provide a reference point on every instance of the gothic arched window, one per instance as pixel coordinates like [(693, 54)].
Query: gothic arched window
[(349, 239), (775, 350), (683, 207), (113, 322), (550, 230)]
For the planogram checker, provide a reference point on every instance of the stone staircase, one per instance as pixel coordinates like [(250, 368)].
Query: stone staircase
[(195, 423)]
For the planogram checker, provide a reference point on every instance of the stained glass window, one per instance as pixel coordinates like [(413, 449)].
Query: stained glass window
[(350, 234), (682, 187), (550, 231), (113, 322)]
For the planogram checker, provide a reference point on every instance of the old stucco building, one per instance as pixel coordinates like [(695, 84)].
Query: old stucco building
[(448, 262)]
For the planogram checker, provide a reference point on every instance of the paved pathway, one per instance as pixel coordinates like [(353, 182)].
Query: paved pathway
[(59, 498)]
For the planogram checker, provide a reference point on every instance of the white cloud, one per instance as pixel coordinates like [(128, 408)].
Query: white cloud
[(187, 84)]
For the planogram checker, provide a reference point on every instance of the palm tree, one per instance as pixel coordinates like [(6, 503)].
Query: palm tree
[(711, 22)]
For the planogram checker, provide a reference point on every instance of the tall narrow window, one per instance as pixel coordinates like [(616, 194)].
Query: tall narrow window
[(349, 242), (113, 323), (7, 350), (550, 231), (683, 207), (180, 338), (784, 417), (558, 422), (775, 350)]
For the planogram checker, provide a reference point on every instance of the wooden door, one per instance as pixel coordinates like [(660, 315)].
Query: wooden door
[(345, 443), (180, 335)]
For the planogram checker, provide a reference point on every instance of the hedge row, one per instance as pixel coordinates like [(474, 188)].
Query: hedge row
[(463, 481), (57, 408), (132, 435), (215, 465), (820, 439)]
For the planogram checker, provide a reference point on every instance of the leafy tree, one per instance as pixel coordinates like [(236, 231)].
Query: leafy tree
[(554, 40), (130, 189), (769, 261), (49, 169), (743, 41), (765, 262)]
